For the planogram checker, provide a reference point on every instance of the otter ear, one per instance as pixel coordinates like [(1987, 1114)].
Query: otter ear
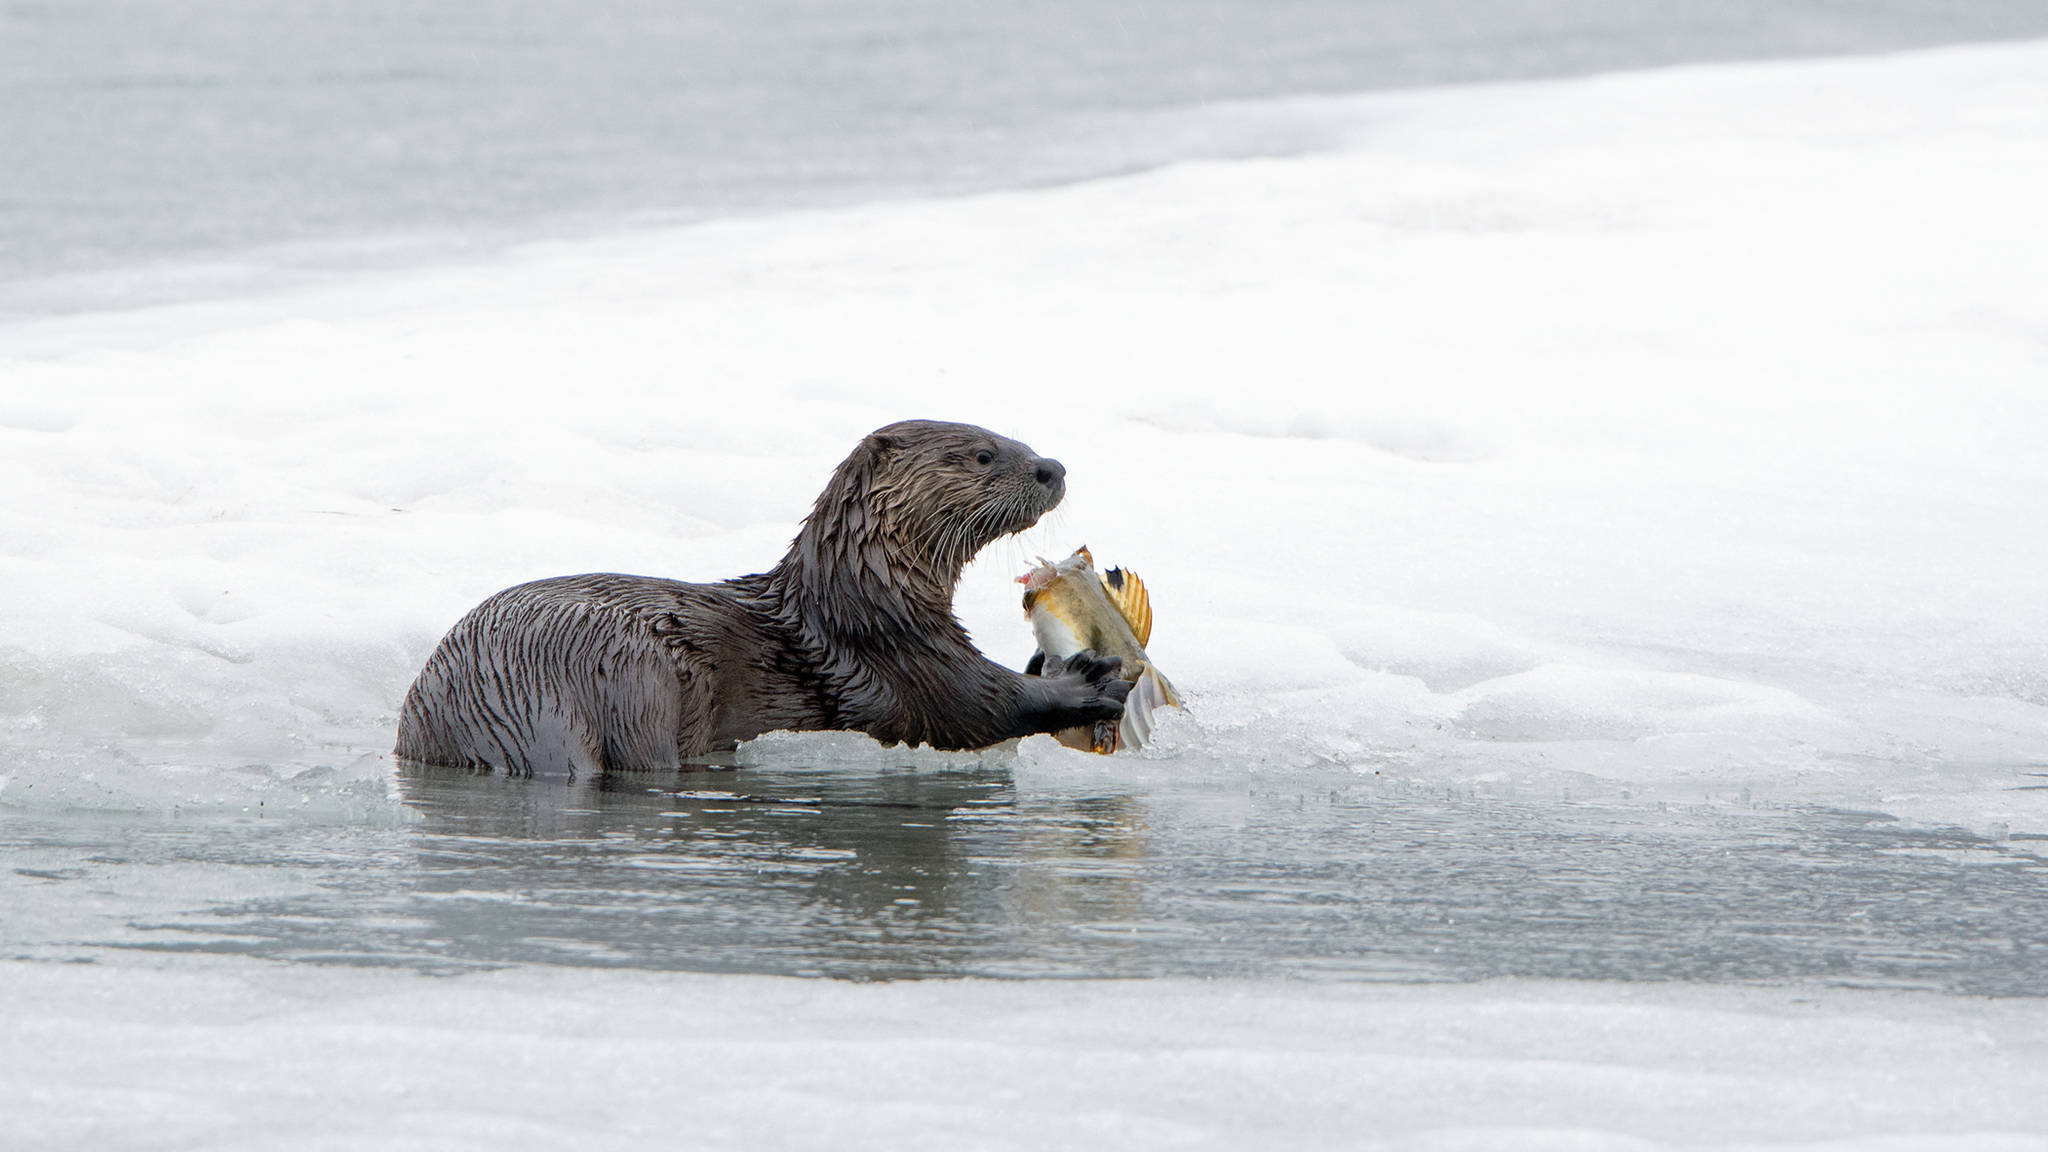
[(883, 443)]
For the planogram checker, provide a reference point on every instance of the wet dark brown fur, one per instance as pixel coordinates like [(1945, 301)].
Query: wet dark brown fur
[(854, 629)]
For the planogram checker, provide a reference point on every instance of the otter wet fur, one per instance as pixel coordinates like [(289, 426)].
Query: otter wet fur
[(854, 629)]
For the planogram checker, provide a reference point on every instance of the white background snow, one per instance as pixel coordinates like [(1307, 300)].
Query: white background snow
[(1675, 433)]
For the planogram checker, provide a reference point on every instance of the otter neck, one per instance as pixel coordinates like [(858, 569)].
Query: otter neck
[(849, 580)]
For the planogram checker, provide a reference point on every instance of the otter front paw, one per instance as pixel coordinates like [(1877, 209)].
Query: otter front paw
[(1090, 688)]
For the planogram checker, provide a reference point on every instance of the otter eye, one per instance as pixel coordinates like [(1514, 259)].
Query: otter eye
[(983, 456)]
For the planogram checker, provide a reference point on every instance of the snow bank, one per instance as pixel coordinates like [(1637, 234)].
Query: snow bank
[(1676, 430), (234, 1056)]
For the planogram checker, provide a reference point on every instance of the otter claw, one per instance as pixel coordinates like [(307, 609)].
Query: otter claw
[(1091, 687), (1103, 678), (1087, 663)]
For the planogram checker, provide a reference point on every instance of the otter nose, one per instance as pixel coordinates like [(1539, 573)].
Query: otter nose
[(1050, 471)]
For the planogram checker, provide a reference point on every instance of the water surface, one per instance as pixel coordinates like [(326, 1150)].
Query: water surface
[(878, 872)]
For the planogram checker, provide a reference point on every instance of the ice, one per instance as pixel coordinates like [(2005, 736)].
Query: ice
[(239, 1057), (1668, 436)]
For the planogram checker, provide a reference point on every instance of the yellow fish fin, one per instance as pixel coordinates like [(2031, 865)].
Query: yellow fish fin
[(1127, 592)]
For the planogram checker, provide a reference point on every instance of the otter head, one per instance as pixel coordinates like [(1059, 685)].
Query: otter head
[(917, 499)]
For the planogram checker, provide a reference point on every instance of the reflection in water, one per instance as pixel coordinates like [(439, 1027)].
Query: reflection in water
[(857, 869), (883, 873)]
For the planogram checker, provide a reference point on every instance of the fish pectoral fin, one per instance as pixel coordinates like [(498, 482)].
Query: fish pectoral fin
[(1108, 737), (1127, 592)]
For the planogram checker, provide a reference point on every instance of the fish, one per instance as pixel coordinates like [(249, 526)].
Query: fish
[(1073, 608)]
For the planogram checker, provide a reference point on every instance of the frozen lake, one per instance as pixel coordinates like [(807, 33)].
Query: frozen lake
[(161, 152), (868, 871), (1596, 523)]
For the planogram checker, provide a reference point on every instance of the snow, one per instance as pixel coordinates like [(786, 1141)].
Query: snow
[(1668, 434), (253, 1057)]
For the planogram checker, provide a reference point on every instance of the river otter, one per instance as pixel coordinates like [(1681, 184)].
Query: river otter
[(854, 629)]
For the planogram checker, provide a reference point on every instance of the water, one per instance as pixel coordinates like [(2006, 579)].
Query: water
[(160, 151), (874, 872)]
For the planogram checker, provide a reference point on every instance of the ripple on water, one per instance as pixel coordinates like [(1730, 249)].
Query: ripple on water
[(864, 872)]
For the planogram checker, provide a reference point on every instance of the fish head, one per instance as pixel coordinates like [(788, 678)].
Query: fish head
[(1047, 574)]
